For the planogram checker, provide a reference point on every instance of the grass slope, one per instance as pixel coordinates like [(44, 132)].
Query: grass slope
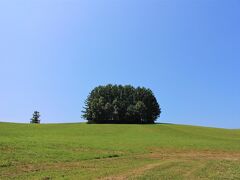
[(82, 151)]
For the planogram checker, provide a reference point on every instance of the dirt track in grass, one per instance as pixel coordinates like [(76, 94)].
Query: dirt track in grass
[(166, 158)]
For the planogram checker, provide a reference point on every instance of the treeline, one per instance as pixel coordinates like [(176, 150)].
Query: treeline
[(121, 104)]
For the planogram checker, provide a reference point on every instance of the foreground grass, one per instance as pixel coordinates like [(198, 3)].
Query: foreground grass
[(82, 151)]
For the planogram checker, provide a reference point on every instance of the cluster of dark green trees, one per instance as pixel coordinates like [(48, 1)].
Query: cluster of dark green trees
[(121, 104)]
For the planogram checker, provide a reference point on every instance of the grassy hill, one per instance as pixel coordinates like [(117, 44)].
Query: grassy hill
[(82, 151)]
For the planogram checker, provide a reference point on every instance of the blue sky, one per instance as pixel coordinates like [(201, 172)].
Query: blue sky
[(52, 53)]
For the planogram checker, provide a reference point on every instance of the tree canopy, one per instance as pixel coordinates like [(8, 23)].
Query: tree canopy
[(121, 104)]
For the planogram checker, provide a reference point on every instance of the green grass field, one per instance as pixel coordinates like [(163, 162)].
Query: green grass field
[(82, 151)]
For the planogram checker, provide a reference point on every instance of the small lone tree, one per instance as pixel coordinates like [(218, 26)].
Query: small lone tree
[(35, 119)]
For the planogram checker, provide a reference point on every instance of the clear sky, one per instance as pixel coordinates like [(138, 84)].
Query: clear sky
[(53, 52)]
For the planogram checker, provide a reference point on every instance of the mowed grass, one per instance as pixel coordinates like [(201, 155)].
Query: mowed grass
[(83, 151)]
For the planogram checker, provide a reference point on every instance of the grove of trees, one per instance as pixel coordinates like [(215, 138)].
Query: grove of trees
[(121, 104)]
